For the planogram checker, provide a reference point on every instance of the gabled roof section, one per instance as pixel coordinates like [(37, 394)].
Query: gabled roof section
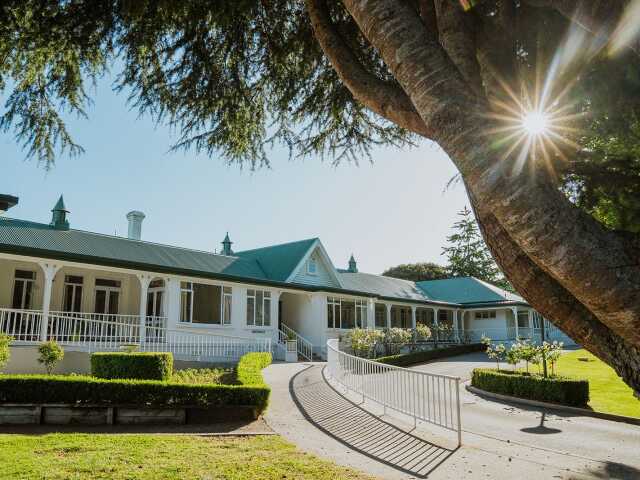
[(466, 291), (382, 286), (37, 239), (279, 262)]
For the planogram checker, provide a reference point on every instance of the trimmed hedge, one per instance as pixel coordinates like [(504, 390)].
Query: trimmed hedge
[(90, 390), (406, 359), (562, 390), (134, 365)]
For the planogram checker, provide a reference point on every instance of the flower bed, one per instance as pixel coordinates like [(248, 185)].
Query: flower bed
[(406, 359), (555, 389)]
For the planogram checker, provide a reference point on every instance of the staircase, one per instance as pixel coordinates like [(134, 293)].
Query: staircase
[(304, 348)]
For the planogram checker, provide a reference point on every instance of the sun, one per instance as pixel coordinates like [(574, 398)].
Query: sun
[(535, 123)]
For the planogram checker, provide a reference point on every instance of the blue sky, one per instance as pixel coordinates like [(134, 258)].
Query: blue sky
[(394, 210)]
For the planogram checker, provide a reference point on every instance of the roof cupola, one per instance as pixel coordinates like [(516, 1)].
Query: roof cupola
[(59, 215), (353, 266), (134, 230), (226, 245)]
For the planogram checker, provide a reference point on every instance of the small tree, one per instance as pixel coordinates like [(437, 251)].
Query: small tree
[(5, 353), (363, 342), (495, 352), (50, 354), (526, 352), (551, 353)]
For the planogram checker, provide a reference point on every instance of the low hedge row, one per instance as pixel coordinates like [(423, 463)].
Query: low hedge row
[(90, 390), (562, 390), (133, 365), (406, 359)]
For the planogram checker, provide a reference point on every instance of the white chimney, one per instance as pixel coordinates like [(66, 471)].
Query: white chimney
[(135, 219)]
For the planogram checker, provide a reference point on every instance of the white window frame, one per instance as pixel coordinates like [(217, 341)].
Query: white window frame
[(26, 281), (484, 314), (312, 262), (225, 292), (359, 306), (335, 302), (107, 289), (256, 321), (362, 308), (74, 293)]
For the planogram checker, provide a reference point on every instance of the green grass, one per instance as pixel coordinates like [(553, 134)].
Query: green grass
[(194, 376), (609, 394), (104, 456)]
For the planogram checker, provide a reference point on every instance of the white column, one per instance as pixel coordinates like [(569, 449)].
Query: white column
[(413, 316), (371, 314), (456, 319), (388, 305), (515, 317), (50, 270), (145, 280), (436, 311), (172, 301)]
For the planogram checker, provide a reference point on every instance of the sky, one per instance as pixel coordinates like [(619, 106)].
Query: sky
[(393, 208)]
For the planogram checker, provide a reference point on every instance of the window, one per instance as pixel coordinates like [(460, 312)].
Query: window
[(312, 266), (107, 296), (23, 289), (258, 308), (443, 316), (400, 317), (424, 316), (205, 304), (346, 314), (72, 300), (523, 319), (381, 315), (485, 314)]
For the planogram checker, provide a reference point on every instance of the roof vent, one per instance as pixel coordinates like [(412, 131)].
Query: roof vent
[(353, 266), (135, 219), (6, 202), (59, 215), (226, 246)]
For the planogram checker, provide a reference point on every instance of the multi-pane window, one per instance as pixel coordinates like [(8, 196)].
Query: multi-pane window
[(258, 308), (206, 304), (107, 296), (72, 301), (381, 315), (346, 314), (312, 266), (484, 314), (523, 319), (23, 289)]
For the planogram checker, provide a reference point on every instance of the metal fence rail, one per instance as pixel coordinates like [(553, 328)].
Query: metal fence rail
[(423, 396)]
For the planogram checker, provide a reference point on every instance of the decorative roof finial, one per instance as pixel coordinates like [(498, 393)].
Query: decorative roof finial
[(226, 245), (59, 218), (353, 266)]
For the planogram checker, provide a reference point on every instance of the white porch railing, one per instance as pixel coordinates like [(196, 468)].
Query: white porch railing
[(423, 396), (21, 325), (304, 346), (97, 332)]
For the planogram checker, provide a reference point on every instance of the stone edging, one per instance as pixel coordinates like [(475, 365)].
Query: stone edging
[(553, 406)]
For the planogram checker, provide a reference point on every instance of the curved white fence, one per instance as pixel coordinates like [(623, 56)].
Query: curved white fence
[(423, 396)]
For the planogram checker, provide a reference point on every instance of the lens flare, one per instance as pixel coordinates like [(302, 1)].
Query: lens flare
[(534, 123)]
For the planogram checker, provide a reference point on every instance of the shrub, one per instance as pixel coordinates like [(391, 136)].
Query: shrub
[(363, 342), (5, 352), (135, 365), (427, 355), (565, 391), (50, 354), (82, 390), (249, 368), (394, 338), (423, 333)]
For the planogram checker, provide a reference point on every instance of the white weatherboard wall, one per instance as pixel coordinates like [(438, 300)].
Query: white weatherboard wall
[(322, 277)]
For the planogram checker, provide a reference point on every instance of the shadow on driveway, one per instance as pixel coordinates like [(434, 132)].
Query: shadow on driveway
[(360, 430)]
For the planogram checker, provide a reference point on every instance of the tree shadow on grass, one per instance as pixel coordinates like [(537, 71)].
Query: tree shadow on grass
[(360, 430)]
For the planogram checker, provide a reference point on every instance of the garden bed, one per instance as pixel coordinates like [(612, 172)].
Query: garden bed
[(90, 399), (556, 389), (407, 359)]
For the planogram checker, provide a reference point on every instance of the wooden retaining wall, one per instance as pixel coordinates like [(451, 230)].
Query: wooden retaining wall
[(65, 414)]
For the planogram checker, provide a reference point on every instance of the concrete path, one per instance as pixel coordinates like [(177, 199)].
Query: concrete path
[(509, 443)]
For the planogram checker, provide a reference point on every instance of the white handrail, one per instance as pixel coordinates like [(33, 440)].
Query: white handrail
[(21, 325), (423, 396), (304, 346)]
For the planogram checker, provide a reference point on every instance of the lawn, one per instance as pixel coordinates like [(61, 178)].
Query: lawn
[(608, 392), (96, 456)]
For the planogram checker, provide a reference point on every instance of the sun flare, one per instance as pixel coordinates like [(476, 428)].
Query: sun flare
[(535, 123)]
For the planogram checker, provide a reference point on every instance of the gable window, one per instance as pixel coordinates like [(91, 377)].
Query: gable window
[(205, 304), (258, 308), (72, 300), (23, 289), (312, 266), (485, 314)]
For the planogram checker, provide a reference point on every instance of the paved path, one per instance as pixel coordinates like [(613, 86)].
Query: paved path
[(500, 442)]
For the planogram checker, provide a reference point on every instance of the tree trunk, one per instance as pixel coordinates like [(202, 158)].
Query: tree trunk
[(598, 268)]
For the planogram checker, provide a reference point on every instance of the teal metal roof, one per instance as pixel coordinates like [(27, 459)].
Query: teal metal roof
[(279, 261), (381, 286), (37, 239), (466, 290)]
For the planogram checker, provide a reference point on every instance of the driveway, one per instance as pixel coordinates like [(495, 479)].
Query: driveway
[(500, 441)]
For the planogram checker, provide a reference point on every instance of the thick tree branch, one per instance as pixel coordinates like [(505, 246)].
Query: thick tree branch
[(456, 34), (595, 265), (427, 11), (384, 98)]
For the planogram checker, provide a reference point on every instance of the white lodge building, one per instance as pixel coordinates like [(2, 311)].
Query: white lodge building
[(91, 292)]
